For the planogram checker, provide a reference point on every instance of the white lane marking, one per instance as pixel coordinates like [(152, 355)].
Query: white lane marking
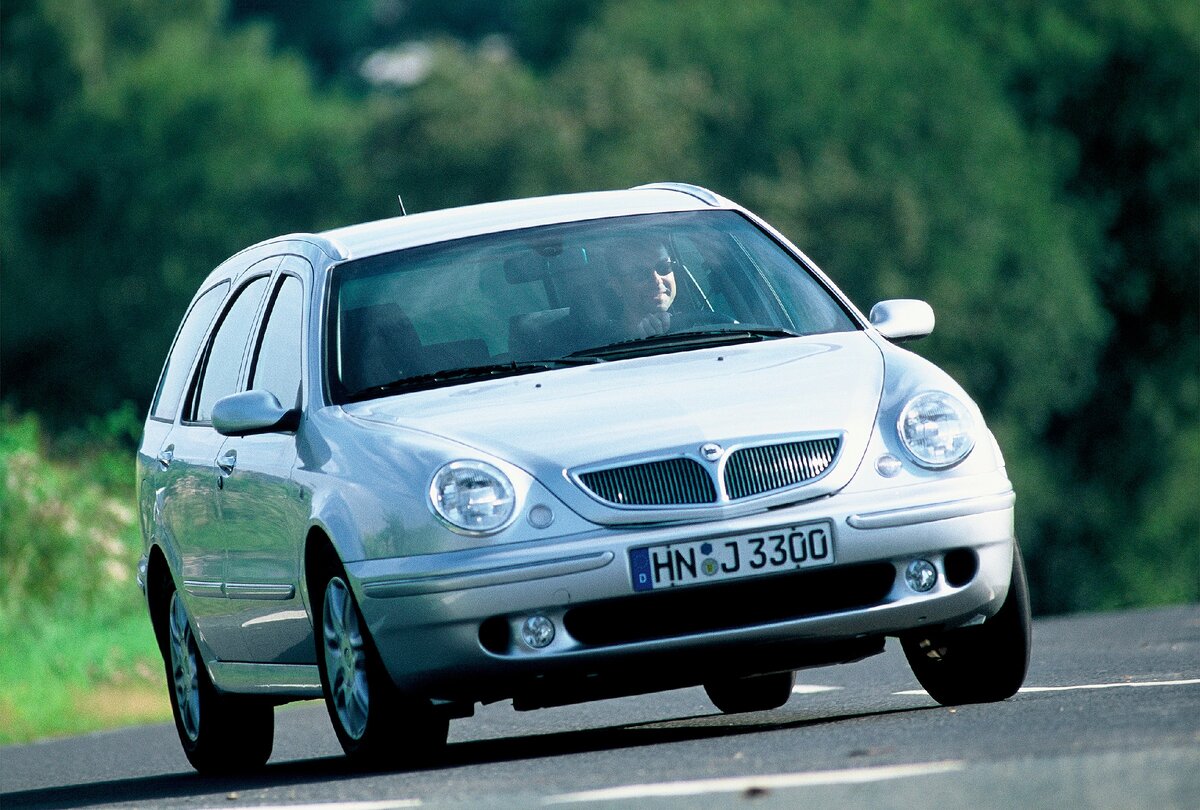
[(1189, 682), (740, 784), (812, 689), (386, 804)]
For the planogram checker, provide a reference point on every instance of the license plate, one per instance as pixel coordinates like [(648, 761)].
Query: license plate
[(787, 548)]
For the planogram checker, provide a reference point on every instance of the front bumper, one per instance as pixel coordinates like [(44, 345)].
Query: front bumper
[(447, 626)]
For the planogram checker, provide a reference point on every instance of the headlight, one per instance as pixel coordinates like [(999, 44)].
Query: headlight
[(936, 429), (473, 497)]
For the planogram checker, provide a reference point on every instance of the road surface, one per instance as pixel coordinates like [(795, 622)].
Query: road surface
[(1109, 718)]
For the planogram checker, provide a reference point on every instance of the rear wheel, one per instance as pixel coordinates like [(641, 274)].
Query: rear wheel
[(979, 664), (754, 693), (375, 724), (219, 733)]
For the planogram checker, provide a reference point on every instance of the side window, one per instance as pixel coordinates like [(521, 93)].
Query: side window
[(224, 361), (278, 360), (187, 343)]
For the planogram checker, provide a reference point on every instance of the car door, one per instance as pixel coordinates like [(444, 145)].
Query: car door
[(263, 511), (190, 511), (156, 452)]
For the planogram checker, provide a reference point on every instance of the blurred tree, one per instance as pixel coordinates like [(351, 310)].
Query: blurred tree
[(1119, 81), (477, 128), (332, 35), (540, 31), (141, 157), (336, 36)]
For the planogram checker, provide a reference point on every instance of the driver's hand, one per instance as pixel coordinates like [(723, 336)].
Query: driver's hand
[(656, 323)]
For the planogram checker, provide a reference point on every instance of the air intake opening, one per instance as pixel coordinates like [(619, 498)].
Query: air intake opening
[(709, 608), (961, 566), (494, 635)]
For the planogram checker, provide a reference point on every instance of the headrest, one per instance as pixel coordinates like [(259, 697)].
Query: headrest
[(537, 265)]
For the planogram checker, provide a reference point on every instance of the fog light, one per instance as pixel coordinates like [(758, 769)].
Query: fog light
[(537, 632), (920, 575)]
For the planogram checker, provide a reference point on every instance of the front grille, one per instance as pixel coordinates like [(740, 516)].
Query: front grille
[(671, 482), (710, 608), (754, 470)]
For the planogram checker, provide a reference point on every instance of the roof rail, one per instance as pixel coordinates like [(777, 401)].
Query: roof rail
[(329, 247), (700, 193)]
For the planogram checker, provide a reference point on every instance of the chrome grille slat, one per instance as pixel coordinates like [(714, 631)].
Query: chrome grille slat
[(670, 482), (755, 470)]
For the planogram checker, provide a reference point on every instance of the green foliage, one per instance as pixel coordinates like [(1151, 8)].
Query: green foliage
[(329, 35), (72, 674), (1119, 81), (475, 129), (73, 628), (175, 152), (68, 530), (541, 31)]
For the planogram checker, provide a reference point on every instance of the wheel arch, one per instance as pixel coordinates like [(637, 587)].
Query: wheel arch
[(319, 554), (159, 583)]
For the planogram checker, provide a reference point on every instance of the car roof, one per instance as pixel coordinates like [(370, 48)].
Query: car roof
[(397, 233)]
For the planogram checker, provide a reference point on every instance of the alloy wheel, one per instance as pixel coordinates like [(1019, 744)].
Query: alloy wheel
[(184, 669), (345, 659)]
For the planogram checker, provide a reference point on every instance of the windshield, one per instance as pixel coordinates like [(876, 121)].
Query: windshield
[(540, 298)]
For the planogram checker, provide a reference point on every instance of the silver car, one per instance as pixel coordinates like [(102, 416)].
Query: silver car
[(550, 451)]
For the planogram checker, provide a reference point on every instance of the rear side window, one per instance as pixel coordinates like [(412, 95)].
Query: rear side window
[(223, 364), (277, 365), (187, 343)]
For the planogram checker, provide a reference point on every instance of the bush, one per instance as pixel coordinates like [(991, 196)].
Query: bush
[(68, 530), (76, 650)]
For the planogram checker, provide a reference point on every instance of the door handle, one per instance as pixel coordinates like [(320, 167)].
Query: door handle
[(228, 461), (166, 456)]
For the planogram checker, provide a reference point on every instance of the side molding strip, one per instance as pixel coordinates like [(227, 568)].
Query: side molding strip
[(300, 681)]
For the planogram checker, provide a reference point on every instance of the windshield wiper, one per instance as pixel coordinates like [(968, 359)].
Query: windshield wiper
[(435, 379), (682, 341)]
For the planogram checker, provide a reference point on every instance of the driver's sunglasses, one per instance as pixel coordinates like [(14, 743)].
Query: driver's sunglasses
[(665, 267), (660, 267)]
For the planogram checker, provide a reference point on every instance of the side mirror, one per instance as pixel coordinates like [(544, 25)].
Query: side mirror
[(902, 318), (252, 412)]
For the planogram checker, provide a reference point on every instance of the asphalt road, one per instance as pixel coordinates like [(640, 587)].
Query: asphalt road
[(1110, 717)]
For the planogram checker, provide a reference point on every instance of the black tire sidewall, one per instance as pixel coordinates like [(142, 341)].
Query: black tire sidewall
[(982, 664), (235, 733), (751, 693), (370, 748)]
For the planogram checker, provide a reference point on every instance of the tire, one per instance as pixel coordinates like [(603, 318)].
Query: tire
[(376, 725), (220, 733), (754, 693), (980, 664)]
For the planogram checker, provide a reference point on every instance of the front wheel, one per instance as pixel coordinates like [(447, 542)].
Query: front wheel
[(375, 724), (754, 693), (219, 733), (979, 664)]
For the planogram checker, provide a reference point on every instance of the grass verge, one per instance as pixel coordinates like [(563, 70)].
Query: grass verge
[(77, 652), (75, 674)]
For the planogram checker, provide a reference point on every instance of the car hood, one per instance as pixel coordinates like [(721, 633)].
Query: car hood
[(553, 422)]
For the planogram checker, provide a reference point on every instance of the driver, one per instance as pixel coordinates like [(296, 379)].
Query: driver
[(641, 283), (624, 293)]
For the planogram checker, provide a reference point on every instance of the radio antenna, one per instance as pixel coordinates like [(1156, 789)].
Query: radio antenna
[(403, 213)]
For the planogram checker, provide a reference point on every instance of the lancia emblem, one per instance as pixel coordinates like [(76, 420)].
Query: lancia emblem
[(711, 451)]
